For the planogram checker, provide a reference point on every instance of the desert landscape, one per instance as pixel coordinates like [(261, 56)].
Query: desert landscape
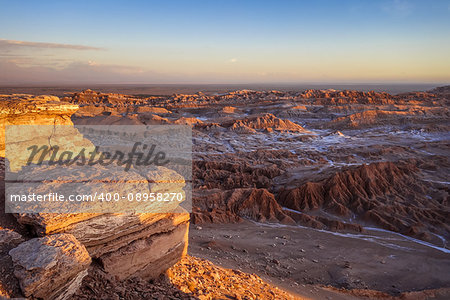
[(303, 194), (217, 150)]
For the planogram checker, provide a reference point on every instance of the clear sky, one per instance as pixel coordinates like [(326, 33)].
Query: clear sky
[(341, 41)]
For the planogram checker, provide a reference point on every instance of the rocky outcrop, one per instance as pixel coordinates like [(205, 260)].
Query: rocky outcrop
[(387, 194), (10, 238), (267, 122), (125, 244), (152, 254), (51, 267), (334, 97), (88, 96), (9, 285), (232, 174), (230, 206), (32, 110)]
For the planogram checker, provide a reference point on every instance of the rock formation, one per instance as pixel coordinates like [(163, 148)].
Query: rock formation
[(387, 194), (267, 122), (9, 284), (232, 174), (126, 245), (10, 238), (30, 110), (51, 267), (383, 117), (188, 121), (230, 206)]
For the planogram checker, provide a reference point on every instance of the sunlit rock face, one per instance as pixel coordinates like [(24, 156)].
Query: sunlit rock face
[(32, 110), (143, 245), (127, 245), (56, 127)]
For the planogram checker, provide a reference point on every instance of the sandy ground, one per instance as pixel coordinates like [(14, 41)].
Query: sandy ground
[(304, 261)]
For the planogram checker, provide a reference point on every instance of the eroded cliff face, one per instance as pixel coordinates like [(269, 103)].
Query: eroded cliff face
[(387, 194), (125, 245)]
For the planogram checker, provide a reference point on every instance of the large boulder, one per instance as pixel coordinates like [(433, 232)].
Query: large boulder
[(51, 267), (152, 254), (10, 238)]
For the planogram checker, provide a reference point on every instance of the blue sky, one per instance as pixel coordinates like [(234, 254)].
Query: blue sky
[(225, 41)]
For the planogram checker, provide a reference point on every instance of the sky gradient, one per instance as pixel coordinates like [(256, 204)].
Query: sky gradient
[(385, 41)]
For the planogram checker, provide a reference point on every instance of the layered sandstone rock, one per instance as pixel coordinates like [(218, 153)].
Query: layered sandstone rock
[(126, 244), (91, 180), (51, 267), (142, 245), (32, 110), (151, 255)]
